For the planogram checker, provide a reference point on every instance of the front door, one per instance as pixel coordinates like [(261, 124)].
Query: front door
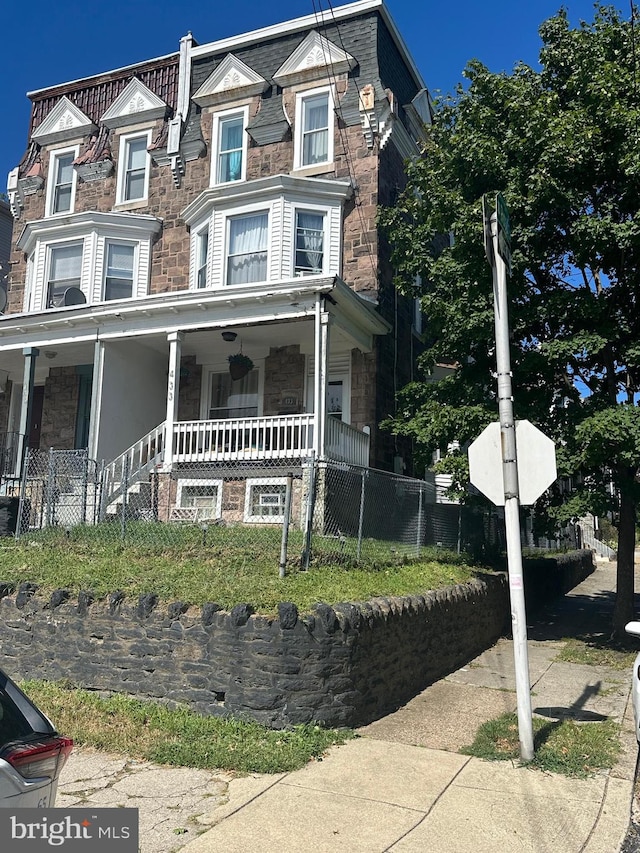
[(83, 415)]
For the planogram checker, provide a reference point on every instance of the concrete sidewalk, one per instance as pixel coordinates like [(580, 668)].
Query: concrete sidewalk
[(403, 786)]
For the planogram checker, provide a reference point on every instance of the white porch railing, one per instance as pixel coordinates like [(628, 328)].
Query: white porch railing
[(130, 466), (345, 443), (233, 440), (236, 439)]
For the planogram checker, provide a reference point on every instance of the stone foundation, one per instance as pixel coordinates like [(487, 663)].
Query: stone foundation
[(340, 666)]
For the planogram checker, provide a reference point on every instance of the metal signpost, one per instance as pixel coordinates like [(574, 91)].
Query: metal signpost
[(494, 458)]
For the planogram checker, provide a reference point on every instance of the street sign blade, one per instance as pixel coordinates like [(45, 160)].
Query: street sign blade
[(486, 225)]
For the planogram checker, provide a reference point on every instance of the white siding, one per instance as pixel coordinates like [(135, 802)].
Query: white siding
[(276, 238), (335, 240), (142, 271), (288, 226)]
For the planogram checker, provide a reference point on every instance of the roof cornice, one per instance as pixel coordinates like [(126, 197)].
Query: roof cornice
[(235, 192)]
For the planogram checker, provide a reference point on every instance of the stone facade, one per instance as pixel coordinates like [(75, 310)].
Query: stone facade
[(371, 162), (59, 409)]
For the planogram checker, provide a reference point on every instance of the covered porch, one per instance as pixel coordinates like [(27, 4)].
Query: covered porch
[(147, 381)]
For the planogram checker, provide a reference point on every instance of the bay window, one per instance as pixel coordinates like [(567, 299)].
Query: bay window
[(202, 254), (65, 267), (309, 243), (118, 283), (247, 248)]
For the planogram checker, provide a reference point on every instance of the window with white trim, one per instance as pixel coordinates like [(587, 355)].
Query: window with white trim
[(119, 269), (266, 230), (134, 162), (314, 128), (65, 269), (309, 243), (202, 496), (61, 185), (247, 242), (105, 255), (202, 256), (265, 499), (229, 149)]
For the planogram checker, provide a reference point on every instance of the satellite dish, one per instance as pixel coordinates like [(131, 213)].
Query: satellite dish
[(3, 299), (73, 296)]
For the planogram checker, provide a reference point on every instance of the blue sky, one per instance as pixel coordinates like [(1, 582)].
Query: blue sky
[(48, 43)]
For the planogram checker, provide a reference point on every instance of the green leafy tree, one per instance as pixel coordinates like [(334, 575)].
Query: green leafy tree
[(563, 146)]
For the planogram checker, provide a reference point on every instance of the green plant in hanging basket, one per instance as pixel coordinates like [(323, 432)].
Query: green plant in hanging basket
[(239, 365)]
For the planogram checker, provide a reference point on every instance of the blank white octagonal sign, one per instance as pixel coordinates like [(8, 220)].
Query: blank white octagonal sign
[(536, 463)]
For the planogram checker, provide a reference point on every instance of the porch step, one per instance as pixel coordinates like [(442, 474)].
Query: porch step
[(139, 500)]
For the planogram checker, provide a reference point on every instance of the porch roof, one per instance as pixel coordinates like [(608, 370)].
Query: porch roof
[(192, 310)]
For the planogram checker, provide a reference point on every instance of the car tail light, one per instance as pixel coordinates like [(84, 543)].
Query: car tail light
[(44, 757)]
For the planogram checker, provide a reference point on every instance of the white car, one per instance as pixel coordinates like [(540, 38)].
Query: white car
[(32, 753), (633, 628)]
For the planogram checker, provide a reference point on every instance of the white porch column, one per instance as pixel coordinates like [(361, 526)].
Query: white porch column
[(321, 372), (26, 408), (173, 389), (96, 400)]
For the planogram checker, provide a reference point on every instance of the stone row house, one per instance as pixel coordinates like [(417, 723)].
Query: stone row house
[(220, 201)]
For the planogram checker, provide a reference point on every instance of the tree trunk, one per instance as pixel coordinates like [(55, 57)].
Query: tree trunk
[(624, 611)]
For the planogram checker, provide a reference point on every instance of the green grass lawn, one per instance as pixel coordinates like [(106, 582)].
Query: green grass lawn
[(178, 736), (567, 747), (226, 567)]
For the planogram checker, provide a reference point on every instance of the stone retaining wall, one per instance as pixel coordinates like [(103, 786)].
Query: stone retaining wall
[(341, 665)]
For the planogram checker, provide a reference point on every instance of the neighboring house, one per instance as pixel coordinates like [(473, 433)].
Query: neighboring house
[(219, 200)]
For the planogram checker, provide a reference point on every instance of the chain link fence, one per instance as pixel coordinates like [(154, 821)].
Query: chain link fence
[(296, 510)]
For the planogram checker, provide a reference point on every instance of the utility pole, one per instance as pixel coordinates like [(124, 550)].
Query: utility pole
[(511, 499)]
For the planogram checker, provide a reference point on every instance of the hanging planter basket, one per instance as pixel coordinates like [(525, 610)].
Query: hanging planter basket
[(239, 365)]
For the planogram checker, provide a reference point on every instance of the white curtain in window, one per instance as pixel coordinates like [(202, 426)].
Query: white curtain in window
[(248, 248), (309, 234), (316, 134)]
